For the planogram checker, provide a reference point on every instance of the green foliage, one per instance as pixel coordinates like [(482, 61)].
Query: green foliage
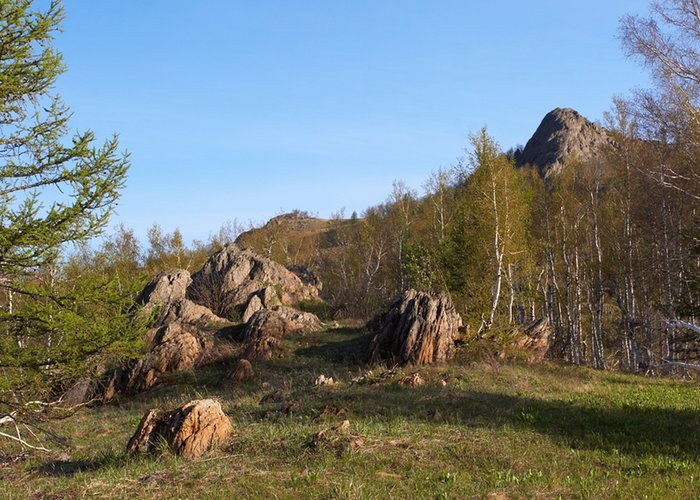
[(318, 307), (55, 189), (419, 267)]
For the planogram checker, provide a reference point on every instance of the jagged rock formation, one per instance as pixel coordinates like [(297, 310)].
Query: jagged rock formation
[(563, 135), (183, 332), (165, 295), (177, 340), (231, 277), (419, 328), (189, 431)]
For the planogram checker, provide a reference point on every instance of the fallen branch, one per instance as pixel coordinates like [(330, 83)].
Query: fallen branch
[(24, 443), (683, 324), (689, 366)]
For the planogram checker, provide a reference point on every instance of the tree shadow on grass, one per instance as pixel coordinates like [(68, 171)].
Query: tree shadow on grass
[(631, 430), (341, 346), (69, 468)]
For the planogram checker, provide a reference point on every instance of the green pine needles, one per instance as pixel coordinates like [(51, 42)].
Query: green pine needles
[(56, 188)]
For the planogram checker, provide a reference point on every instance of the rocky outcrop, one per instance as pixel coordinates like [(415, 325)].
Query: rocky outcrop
[(267, 326), (254, 305), (189, 431), (166, 296), (184, 326), (164, 289), (231, 277), (178, 339), (563, 135), (279, 322), (535, 340), (419, 328)]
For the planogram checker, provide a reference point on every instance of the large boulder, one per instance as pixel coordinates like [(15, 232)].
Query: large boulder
[(231, 277), (189, 431), (419, 328)]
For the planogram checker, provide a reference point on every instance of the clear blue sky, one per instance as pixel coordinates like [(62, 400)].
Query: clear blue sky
[(240, 110)]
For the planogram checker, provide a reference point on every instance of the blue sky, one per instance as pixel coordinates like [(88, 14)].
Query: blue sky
[(241, 110)]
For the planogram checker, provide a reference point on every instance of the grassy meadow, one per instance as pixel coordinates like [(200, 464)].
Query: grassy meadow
[(478, 427)]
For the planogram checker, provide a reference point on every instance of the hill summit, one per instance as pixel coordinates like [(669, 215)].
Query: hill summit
[(563, 135)]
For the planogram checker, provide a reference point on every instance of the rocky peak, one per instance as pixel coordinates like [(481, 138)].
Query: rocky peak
[(564, 135)]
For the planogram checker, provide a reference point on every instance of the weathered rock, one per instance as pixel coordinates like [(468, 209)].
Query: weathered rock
[(563, 135), (419, 328), (259, 347), (253, 306), (279, 322), (232, 276), (167, 293), (189, 431), (266, 327), (79, 393), (242, 372), (140, 377), (140, 440), (186, 311), (535, 340), (175, 349), (178, 340), (164, 289), (269, 297)]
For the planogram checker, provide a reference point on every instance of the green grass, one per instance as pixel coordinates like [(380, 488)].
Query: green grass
[(496, 429)]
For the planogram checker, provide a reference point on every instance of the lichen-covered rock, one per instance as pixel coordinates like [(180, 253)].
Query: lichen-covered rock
[(189, 431), (419, 328), (242, 372)]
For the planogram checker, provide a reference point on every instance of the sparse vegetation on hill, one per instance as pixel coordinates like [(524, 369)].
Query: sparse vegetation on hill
[(583, 248)]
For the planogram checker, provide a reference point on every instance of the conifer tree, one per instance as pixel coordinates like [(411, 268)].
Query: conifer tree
[(56, 188)]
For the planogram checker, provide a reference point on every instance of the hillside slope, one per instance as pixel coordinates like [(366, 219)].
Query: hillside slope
[(484, 428)]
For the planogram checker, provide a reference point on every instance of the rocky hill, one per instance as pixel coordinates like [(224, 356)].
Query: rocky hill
[(563, 135)]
